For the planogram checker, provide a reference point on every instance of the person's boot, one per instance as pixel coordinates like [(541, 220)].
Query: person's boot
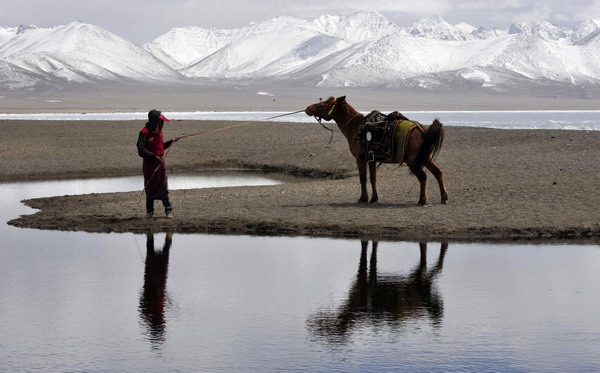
[(149, 208), (168, 208)]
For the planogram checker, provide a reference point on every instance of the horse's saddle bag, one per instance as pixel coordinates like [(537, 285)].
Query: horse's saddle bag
[(377, 136)]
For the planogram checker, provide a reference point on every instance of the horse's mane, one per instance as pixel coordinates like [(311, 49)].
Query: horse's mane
[(351, 113)]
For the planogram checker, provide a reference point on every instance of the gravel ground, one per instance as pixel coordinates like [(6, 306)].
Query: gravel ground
[(502, 184)]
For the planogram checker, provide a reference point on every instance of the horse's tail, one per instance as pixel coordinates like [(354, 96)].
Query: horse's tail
[(433, 138)]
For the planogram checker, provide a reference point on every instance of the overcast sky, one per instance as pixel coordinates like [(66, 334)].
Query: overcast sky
[(141, 21)]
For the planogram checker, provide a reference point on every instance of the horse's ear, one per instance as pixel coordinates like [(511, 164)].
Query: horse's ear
[(331, 99), (341, 99)]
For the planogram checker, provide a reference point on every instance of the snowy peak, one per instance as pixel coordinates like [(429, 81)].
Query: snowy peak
[(484, 33), (356, 27), (288, 38), (80, 52), (435, 27), (466, 28), (481, 32), (592, 38), (182, 46), (7, 33), (260, 52), (75, 35), (585, 28), (24, 28), (543, 29)]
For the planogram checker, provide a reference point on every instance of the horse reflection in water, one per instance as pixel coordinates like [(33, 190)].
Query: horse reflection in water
[(154, 298), (383, 300)]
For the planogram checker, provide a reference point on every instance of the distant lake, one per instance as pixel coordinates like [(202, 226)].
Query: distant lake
[(588, 120), (162, 302)]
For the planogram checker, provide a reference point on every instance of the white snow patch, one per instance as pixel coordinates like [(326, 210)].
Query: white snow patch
[(477, 75)]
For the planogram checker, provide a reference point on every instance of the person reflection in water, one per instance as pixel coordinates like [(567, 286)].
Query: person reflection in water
[(154, 299), (383, 300)]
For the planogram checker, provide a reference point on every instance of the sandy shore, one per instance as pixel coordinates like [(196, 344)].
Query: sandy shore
[(503, 184)]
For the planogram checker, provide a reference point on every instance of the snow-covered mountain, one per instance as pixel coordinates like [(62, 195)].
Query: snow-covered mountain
[(437, 28), (77, 52), (585, 28), (265, 42), (182, 46), (361, 49), (542, 29), (270, 49)]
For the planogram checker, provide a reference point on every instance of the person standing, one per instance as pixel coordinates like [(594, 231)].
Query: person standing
[(151, 147)]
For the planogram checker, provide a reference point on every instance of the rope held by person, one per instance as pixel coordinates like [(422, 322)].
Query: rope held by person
[(162, 159), (232, 126)]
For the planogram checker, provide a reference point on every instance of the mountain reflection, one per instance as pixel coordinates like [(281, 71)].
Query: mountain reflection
[(383, 300), (154, 298)]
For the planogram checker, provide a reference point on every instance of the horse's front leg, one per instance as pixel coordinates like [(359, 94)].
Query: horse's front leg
[(362, 174), (373, 179)]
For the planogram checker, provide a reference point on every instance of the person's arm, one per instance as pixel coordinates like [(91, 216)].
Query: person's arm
[(170, 142), (142, 149)]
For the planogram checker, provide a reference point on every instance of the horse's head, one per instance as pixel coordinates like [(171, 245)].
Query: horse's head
[(325, 109)]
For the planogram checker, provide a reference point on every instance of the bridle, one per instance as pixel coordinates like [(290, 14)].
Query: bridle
[(326, 107)]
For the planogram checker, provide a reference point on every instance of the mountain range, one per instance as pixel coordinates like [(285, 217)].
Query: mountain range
[(363, 49)]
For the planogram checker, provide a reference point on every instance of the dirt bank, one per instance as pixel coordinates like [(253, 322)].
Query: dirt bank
[(503, 184)]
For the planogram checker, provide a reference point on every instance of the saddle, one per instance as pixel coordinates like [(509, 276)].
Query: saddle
[(377, 136)]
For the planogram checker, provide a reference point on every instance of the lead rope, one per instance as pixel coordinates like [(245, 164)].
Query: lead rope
[(212, 131), (162, 160), (327, 128), (138, 247)]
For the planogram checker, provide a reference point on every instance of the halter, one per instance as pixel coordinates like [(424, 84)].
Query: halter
[(326, 106), (329, 107)]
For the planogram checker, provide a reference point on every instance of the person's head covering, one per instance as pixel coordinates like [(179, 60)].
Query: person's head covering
[(154, 115), (156, 119)]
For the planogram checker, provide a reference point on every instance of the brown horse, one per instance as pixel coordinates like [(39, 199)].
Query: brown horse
[(421, 147)]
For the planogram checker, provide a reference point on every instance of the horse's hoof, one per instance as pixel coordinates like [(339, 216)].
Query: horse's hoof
[(422, 203), (373, 201), (362, 201), (445, 202)]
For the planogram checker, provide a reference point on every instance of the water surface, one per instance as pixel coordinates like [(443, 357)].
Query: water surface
[(74, 301), (509, 119)]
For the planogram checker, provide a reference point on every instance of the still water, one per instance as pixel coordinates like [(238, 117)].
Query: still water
[(586, 120), (81, 302)]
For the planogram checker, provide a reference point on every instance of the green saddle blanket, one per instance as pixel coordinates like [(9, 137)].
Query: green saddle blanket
[(384, 140)]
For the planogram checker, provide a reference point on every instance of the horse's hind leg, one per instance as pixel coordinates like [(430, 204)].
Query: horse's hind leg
[(437, 173), (422, 176), (373, 178)]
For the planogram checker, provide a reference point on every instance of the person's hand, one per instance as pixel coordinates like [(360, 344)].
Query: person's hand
[(159, 158)]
